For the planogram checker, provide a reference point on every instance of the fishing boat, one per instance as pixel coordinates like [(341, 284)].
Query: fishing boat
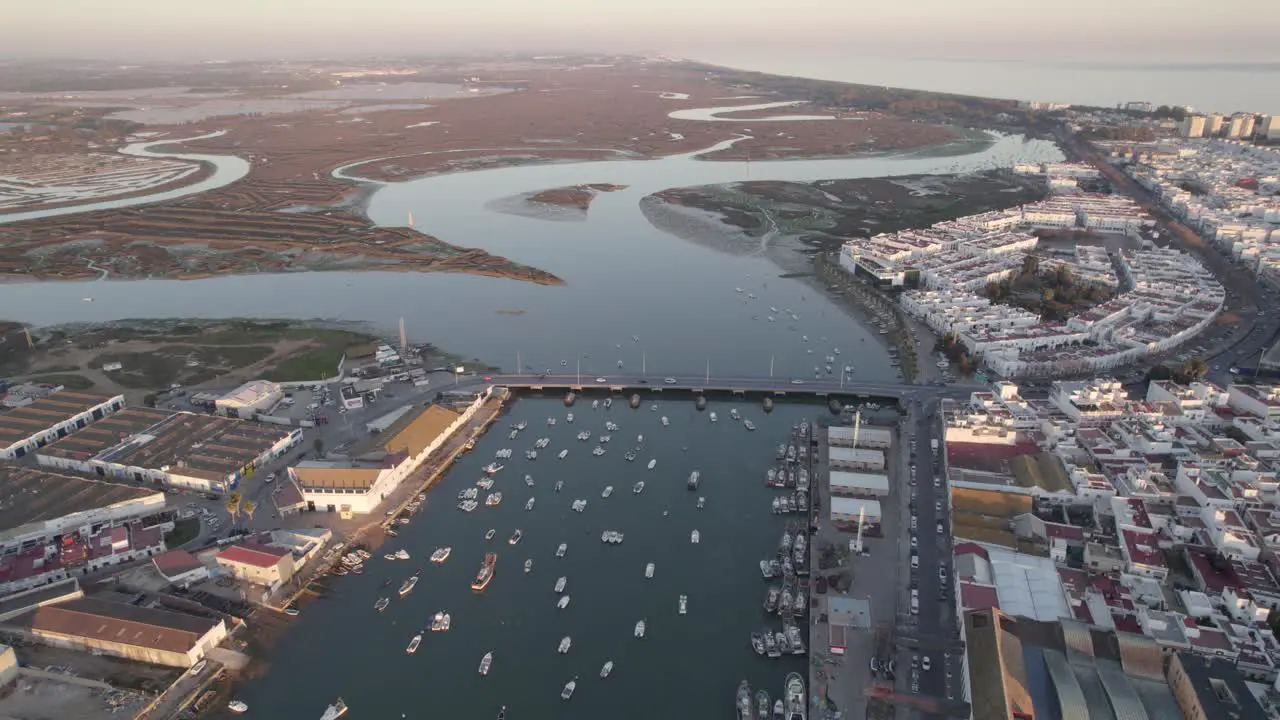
[(563, 602), (780, 641), (441, 554), (608, 490), (648, 570), (778, 712), (695, 537), (771, 600), (489, 535), (560, 583), (528, 565), (565, 643), (785, 545), (608, 668), (638, 487), (515, 537), (559, 484), (569, 687), (529, 504), (653, 464), (757, 643), (486, 662), (335, 711), (493, 499), (762, 705), (743, 705), (485, 573), (441, 622), (702, 502), (794, 700), (408, 586), (771, 645), (692, 483), (777, 506), (684, 604), (413, 644), (794, 640), (561, 550), (237, 707), (381, 604), (748, 425), (493, 468), (640, 629)]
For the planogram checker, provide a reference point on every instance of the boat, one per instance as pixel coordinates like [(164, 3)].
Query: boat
[(794, 640), (486, 572), (486, 662), (560, 583), (794, 700), (665, 421), (629, 455), (563, 453), (785, 603), (595, 404), (692, 483), (468, 505), (493, 499), (648, 570), (762, 705), (638, 487), (531, 454), (559, 484), (695, 537), (563, 602), (441, 622), (408, 586), (771, 645), (713, 416), (652, 464), (565, 643), (771, 600), (528, 565), (780, 641), (800, 604), (608, 403), (733, 413), (568, 418), (569, 687), (702, 502), (748, 425), (579, 505), (493, 468), (640, 629), (785, 545), (757, 643), (489, 535), (389, 556), (608, 668), (744, 702), (640, 439), (529, 504), (561, 550), (608, 490), (515, 537), (551, 421), (597, 451), (402, 554), (413, 644), (684, 604), (522, 425), (441, 554), (381, 604), (482, 484), (777, 506), (782, 451), (778, 712), (335, 711), (237, 707)]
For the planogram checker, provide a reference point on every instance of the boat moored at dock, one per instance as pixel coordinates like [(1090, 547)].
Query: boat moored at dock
[(794, 700), (743, 702)]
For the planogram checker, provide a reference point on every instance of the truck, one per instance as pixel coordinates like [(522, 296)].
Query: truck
[(934, 444)]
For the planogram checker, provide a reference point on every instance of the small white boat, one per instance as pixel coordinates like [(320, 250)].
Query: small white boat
[(402, 554), (489, 535), (563, 453), (569, 687), (733, 414), (561, 550), (608, 668), (713, 417), (608, 490), (638, 488), (595, 404), (381, 604), (568, 418), (492, 468), (237, 707), (748, 425), (528, 565), (441, 554), (485, 663), (684, 604), (551, 421), (335, 711), (640, 629), (648, 570), (528, 480), (559, 484), (702, 502), (529, 505), (563, 602), (561, 582), (413, 644), (665, 421), (695, 537), (565, 643), (653, 463), (640, 439)]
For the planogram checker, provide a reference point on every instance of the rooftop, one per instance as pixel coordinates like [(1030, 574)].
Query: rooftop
[(253, 554), (175, 562), (125, 624), (23, 422), (30, 496), (313, 476)]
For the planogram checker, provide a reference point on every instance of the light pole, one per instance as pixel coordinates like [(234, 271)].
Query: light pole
[(579, 368), (644, 368), (770, 366), (708, 380), (519, 367)]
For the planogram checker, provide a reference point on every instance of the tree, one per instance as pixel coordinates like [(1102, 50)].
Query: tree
[(234, 504), (248, 507), (318, 444), (1030, 264), (1195, 368)]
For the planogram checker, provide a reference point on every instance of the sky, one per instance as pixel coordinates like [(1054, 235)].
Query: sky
[(1077, 30)]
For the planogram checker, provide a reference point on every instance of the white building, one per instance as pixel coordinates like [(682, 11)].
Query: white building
[(868, 437), (846, 512), (257, 396), (40, 422), (856, 484), (842, 458)]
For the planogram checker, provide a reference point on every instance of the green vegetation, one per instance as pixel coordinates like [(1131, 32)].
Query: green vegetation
[(955, 351), (1052, 294), (1190, 371), (184, 531), (314, 364), (67, 380)]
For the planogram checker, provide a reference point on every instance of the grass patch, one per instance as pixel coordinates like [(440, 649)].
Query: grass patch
[(184, 531), (68, 380), (314, 364)]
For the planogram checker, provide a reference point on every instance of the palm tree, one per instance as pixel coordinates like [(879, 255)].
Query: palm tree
[(234, 503), (1195, 368), (1030, 264), (248, 507)]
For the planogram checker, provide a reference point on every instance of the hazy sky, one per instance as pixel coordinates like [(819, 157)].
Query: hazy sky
[(1076, 29)]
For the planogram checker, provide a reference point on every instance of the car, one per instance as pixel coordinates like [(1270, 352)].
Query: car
[(602, 380), (937, 505), (669, 381), (915, 560), (271, 477), (195, 669), (292, 612), (940, 530), (797, 382), (924, 663), (914, 542), (486, 379)]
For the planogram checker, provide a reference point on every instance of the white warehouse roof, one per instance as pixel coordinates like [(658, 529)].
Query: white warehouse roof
[(856, 456), (877, 483), (866, 435), (1027, 585), (851, 507), (251, 394)]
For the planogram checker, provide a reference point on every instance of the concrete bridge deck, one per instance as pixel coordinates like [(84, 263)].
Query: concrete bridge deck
[(781, 387)]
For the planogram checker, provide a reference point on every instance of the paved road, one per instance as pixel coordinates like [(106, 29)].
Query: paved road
[(685, 382)]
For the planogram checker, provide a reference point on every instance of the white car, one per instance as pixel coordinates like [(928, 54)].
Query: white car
[(915, 560), (914, 542), (924, 663), (602, 380), (669, 381)]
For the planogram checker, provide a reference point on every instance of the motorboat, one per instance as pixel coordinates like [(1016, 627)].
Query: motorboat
[(692, 483), (579, 505), (493, 499), (408, 585), (493, 468), (640, 439), (237, 707), (531, 454), (413, 644), (608, 668), (485, 574), (381, 604), (629, 455), (483, 484), (653, 464), (559, 485), (743, 704), (762, 705), (402, 554), (598, 451), (529, 504), (695, 537), (528, 565), (489, 535), (648, 570), (551, 421), (794, 700), (748, 425), (441, 554), (713, 417), (608, 490), (486, 662), (702, 502), (565, 643), (684, 604), (568, 418), (605, 439), (515, 537), (335, 711), (561, 550), (389, 556), (734, 414), (560, 583), (640, 629), (595, 404), (569, 687), (441, 622), (638, 487), (665, 421), (563, 453), (563, 602)]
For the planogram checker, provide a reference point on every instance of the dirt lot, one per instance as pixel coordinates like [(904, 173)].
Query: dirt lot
[(117, 672), (30, 698)]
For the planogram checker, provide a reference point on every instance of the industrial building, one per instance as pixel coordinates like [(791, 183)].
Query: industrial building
[(868, 437), (264, 565), (180, 568), (160, 637), (855, 484), (187, 450), (841, 458), (40, 422), (846, 512), (1211, 688), (246, 401)]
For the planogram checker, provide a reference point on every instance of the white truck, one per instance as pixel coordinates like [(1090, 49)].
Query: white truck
[(934, 444)]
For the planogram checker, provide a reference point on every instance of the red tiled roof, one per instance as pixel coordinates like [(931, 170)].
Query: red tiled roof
[(253, 554), (175, 562), (978, 597), (1066, 532), (1149, 554)]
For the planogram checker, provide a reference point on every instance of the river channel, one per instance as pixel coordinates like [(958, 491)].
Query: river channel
[(624, 278), (685, 667)]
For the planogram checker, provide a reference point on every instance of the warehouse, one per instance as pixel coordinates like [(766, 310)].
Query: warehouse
[(868, 437), (38, 423), (160, 637), (246, 401), (198, 452), (841, 458), (854, 484), (846, 511)]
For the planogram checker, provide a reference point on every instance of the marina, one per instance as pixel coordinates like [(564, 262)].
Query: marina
[(622, 611)]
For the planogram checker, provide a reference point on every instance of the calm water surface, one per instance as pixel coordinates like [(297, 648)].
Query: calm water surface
[(684, 667)]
